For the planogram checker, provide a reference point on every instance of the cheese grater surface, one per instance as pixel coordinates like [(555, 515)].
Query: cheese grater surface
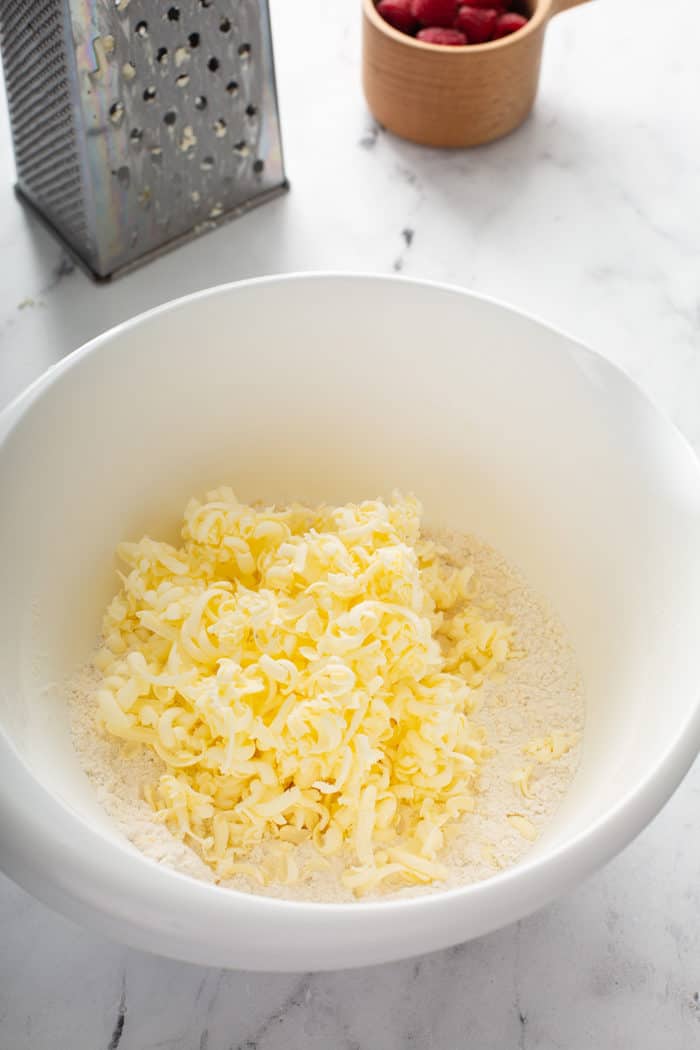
[(140, 123)]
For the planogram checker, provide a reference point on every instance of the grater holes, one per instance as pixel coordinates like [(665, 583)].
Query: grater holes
[(231, 176), (123, 176), (173, 14), (244, 51), (207, 163), (213, 64), (219, 128), (188, 140), (149, 94), (193, 39), (116, 113), (169, 117), (241, 148), (183, 80), (136, 134), (141, 29), (259, 166), (251, 111), (121, 6), (205, 3)]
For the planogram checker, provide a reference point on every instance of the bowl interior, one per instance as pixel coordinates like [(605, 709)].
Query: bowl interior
[(339, 389)]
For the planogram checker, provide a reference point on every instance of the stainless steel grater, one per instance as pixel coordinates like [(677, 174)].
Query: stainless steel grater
[(140, 123)]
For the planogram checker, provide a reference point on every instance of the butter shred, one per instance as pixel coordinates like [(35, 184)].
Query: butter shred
[(306, 675)]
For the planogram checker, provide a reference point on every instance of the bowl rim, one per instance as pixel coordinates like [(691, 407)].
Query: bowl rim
[(541, 16), (539, 879)]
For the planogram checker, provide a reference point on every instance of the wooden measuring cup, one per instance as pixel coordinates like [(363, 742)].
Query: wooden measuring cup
[(453, 96)]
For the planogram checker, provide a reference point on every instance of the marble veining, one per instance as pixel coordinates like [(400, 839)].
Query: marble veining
[(587, 217)]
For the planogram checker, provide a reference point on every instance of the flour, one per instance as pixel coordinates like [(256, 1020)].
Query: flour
[(537, 695), (118, 773)]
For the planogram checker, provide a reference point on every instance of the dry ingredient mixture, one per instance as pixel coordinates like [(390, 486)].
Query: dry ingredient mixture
[(394, 712)]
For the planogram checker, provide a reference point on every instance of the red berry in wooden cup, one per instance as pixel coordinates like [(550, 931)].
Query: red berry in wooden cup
[(477, 22), (440, 35), (508, 23), (398, 13), (435, 13), (499, 5)]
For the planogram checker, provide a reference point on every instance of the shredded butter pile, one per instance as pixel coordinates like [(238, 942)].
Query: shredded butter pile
[(306, 675)]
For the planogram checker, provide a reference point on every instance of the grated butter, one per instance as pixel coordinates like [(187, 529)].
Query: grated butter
[(307, 676)]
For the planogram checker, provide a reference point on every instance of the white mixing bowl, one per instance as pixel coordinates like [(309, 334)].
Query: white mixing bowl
[(339, 388)]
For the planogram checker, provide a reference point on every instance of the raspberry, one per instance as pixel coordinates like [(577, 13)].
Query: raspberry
[(498, 5), (432, 13), (507, 24), (477, 22), (440, 35), (398, 14)]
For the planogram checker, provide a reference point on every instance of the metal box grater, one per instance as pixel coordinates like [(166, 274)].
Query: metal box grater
[(140, 123)]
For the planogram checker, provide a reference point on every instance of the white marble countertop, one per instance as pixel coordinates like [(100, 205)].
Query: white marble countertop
[(588, 217)]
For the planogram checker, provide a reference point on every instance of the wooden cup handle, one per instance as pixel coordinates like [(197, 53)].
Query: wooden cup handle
[(563, 5)]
